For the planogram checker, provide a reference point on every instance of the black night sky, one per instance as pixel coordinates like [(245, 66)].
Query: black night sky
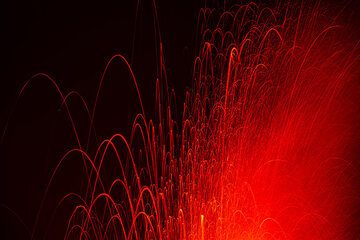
[(72, 41)]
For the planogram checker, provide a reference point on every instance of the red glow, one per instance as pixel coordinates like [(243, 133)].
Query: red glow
[(260, 153)]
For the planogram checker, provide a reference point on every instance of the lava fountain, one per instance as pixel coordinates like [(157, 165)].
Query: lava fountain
[(261, 150)]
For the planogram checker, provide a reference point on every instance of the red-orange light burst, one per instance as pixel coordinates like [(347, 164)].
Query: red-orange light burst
[(262, 150)]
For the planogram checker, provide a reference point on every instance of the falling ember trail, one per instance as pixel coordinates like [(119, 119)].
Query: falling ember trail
[(261, 151)]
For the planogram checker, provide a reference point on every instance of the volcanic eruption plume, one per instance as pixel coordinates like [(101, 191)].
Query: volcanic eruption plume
[(263, 147)]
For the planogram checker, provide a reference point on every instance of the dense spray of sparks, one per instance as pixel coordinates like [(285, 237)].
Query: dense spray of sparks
[(260, 150)]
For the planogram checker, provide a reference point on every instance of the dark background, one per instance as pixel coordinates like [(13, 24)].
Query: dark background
[(72, 42)]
